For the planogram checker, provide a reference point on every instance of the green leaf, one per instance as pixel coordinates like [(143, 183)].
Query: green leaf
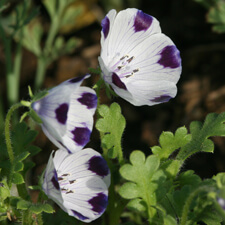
[(220, 180), (33, 150), (188, 178), (4, 191), (22, 156), (144, 179), (169, 142), (216, 16), (169, 220), (35, 208), (130, 190), (111, 127), (18, 167), (39, 208), (17, 178), (21, 138), (24, 205), (137, 204), (213, 126)]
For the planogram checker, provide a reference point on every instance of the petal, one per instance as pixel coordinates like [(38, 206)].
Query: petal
[(89, 199), (68, 107), (49, 186), (83, 192), (85, 163), (127, 29), (156, 58), (80, 119), (151, 92)]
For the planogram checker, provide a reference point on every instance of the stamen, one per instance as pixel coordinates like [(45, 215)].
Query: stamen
[(119, 67), (130, 59), (136, 70), (72, 181), (125, 56), (66, 174)]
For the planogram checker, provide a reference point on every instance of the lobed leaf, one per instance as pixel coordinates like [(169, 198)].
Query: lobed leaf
[(39, 208), (144, 180), (111, 127), (213, 126), (169, 142)]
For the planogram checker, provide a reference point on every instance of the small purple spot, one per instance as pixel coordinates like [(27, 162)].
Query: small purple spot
[(170, 57), (61, 113), (142, 21), (88, 99), (54, 181), (76, 79), (162, 98), (81, 135), (116, 80), (79, 215), (99, 203), (98, 165), (105, 26)]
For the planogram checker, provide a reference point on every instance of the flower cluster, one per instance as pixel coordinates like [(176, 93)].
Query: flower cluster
[(142, 65), (76, 179)]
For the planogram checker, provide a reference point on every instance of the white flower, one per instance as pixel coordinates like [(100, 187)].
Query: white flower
[(67, 114), (140, 63), (78, 183)]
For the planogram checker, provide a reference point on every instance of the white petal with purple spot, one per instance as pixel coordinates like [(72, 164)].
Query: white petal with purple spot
[(67, 114), (140, 63), (77, 183)]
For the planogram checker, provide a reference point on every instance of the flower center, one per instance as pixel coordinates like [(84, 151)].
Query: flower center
[(123, 66), (65, 183)]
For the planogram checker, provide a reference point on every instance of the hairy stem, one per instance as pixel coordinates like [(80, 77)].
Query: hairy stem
[(7, 131), (184, 216), (8, 140)]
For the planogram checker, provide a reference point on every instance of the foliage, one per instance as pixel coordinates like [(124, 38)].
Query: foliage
[(216, 13), (155, 185)]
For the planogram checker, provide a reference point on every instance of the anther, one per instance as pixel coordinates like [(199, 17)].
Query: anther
[(72, 181), (130, 59)]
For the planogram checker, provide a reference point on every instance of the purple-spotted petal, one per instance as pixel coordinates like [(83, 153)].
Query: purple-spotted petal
[(88, 99), (123, 35), (142, 21), (141, 64), (66, 109), (76, 185), (105, 26)]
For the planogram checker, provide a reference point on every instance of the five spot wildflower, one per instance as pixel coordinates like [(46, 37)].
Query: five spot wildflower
[(67, 114), (140, 63), (78, 183)]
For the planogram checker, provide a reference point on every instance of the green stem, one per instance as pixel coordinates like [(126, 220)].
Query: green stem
[(44, 60), (40, 73), (7, 131), (184, 216), (16, 73), (8, 140), (2, 113), (116, 203), (52, 32)]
